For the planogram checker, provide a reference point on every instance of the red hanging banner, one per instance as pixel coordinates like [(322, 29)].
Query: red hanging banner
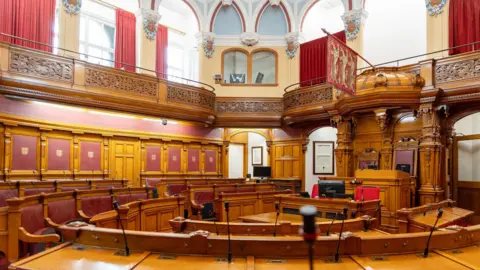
[(341, 66)]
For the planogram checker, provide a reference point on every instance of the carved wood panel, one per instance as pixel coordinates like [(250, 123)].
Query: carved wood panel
[(40, 66), (460, 70), (190, 97), (249, 107), (297, 99)]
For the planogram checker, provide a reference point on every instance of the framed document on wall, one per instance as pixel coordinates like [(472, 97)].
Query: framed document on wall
[(257, 155), (323, 162)]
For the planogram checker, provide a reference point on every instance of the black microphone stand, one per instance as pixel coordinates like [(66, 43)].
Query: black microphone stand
[(337, 255), (276, 219), (115, 206), (439, 215), (330, 226), (309, 230), (215, 224), (228, 232)]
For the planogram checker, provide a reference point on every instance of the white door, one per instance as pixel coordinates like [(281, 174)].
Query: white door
[(235, 161)]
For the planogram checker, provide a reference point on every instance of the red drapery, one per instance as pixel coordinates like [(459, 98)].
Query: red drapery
[(29, 19), (313, 60), (464, 24), (125, 40), (162, 45)]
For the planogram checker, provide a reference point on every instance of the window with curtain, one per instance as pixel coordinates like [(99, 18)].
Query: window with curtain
[(97, 33), (175, 55), (235, 67), (56, 28), (264, 67)]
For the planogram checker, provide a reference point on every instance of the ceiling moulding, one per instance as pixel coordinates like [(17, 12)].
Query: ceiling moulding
[(227, 3), (250, 39), (263, 41)]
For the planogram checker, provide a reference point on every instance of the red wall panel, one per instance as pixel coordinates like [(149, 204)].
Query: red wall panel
[(174, 159), (193, 160), (90, 156), (210, 161), (153, 158), (25, 159), (58, 154)]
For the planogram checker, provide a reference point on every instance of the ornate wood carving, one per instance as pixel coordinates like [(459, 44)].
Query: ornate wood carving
[(344, 151), (190, 97), (368, 154), (249, 107), (455, 71), (118, 82), (296, 99), (38, 66)]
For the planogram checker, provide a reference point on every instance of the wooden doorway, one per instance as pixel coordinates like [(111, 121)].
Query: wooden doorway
[(125, 160)]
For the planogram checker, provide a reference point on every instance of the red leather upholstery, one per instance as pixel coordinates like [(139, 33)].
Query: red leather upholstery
[(315, 191), (62, 211), (369, 193), (94, 205), (202, 197), (176, 189), (7, 194), (35, 191), (32, 218), (152, 182), (63, 189), (126, 198)]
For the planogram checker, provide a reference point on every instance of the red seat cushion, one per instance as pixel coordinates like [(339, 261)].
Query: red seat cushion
[(369, 193), (126, 198), (202, 197), (32, 218), (315, 191), (62, 211), (7, 194), (176, 189), (94, 205), (35, 191)]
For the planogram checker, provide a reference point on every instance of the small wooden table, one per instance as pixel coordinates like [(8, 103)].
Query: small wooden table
[(270, 218)]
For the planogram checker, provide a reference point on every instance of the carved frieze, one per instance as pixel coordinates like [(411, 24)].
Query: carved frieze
[(190, 97), (314, 96), (115, 81), (249, 107), (457, 71), (40, 66)]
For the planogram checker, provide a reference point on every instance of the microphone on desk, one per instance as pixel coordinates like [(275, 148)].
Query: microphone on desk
[(330, 226), (439, 215), (228, 232), (337, 255), (309, 229), (215, 223), (277, 208), (367, 224), (115, 206)]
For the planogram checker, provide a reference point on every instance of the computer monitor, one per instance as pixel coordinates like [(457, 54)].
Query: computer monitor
[(304, 194), (262, 171), (403, 168), (330, 187), (372, 167)]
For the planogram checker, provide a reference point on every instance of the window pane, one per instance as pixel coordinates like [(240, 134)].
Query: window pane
[(235, 67), (109, 56), (99, 10), (83, 26), (95, 33), (263, 67), (468, 160), (81, 49), (109, 36), (94, 52), (175, 57)]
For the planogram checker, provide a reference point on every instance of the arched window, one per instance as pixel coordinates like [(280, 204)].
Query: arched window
[(272, 22), (323, 14), (264, 67), (235, 67), (257, 67), (227, 21)]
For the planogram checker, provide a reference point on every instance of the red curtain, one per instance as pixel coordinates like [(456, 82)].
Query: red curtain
[(162, 45), (313, 60), (125, 40), (464, 24), (30, 19)]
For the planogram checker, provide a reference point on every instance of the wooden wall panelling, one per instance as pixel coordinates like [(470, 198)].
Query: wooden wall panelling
[(344, 152), (288, 160), (469, 198), (125, 160), (367, 136), (2, 151), (193, 158), (106, 156), (56, 155), (175, 158), (23, 153), (89, 156), (152, 158), (211, 160)]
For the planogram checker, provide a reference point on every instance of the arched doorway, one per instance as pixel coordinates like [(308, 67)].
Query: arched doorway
[(466, 161)]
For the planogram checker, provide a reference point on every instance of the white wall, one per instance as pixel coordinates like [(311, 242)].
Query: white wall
[(395, 29), (321, 134), (468, 151), (255, 139), (235, 161), (324, 14)]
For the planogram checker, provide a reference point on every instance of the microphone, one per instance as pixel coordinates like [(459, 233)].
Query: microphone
[(439, 215), (228, 232), (215, 224), (337, 256), (330, 226), (185, 213), (115, 206), (309, 229), (277, 208), (367, 224)]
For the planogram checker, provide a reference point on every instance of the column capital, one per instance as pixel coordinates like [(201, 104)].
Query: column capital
[(293, 40), (353, 21), (149, 19), (207, 41)]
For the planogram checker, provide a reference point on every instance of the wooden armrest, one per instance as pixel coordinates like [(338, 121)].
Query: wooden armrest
[(165, 194), (197, 206), (49, 223), (31, 238), (83, 215)]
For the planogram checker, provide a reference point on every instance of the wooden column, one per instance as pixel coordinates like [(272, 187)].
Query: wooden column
[(383, 121), (344, 151), (430, 156), (2, 151), (106, 157), (8, 151), (76, 156)]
